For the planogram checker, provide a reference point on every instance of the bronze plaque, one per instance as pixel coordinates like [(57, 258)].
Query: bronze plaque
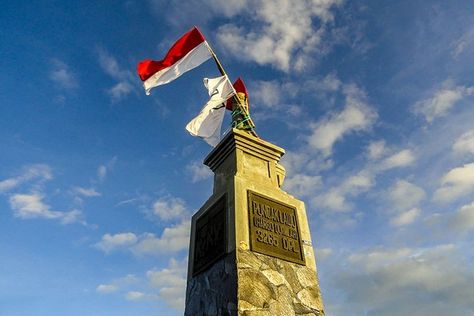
[(274, 229), (210, 237)]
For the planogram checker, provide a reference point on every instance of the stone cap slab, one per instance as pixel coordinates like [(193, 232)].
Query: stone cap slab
[(238, 139)]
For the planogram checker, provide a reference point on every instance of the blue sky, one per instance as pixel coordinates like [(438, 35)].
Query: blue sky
[(373, 101)]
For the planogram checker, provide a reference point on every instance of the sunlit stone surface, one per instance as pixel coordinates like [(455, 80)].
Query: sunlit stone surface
[(239, 280)]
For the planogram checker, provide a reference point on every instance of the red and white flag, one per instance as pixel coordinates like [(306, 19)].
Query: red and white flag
[(190, 51)]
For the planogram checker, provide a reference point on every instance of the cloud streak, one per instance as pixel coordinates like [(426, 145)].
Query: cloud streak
[(124, 78), (356, 116), (442, 101), (456, 183), (62, 76), (401, 281), (282, 33), (173, 239), (30, 206), (37, 172)]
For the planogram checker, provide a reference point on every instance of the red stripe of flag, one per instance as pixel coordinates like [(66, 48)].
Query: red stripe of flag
[(183, 46), (239, 86)]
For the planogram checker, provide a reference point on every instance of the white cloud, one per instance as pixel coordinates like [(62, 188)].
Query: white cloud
[(8, 184), (117, 284), (168, 208), (72, 217), (278, 95), (118, 241), (173, 239), (103, 170), (405, 218), (135, 295), (130, 201), (37, 172), (442, 100), (283, 33), (463, 43), (198, 171), (330, 83), (463, 219), (28, 206), (124, 78), (452, 224), (404, 281), (126, 280), (87, 192), (376, 150), (266, 93), (333, 199), (31, 205), (359, 182), (178, 13), (106, 288), (167, 284), (302, 185), (404, 195), (401, 159), (171, 283), (119, 91), (295, 161), (465, 143), (336, 197), (111, 67), (356, 116), (62, 76), (306, 160), (456, 183), (323, 253)]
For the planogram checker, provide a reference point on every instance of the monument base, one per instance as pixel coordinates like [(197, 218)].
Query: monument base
[(254, 285), (251, 252)]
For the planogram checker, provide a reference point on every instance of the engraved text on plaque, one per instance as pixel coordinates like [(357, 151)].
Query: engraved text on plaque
[(274, 229)]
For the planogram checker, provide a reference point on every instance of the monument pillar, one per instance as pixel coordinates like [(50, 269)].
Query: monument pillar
[(251, 251)]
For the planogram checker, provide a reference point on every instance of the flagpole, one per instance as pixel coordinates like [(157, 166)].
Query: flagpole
[(242, 108)]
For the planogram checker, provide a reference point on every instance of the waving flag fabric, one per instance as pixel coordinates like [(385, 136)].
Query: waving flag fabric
[(209, 121), (190, 51), (239, 87)]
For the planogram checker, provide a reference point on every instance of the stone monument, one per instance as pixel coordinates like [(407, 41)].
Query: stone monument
[(250, 252)]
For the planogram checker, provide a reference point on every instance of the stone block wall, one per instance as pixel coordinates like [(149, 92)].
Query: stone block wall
[(272, 287)]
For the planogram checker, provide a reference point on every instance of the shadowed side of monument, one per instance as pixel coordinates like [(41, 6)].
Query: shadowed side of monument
[(251, 251)]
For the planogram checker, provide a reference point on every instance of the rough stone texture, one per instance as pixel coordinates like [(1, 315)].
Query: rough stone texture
[(253, 284), (271, 286), (214, 291)]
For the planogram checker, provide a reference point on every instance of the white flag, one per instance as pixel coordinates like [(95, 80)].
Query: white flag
[(209, 121)]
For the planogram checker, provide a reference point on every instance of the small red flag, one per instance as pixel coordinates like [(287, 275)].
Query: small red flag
[(239, 86)]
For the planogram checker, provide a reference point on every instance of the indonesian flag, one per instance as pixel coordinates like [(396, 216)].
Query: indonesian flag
[(188, 52), (207, 124)]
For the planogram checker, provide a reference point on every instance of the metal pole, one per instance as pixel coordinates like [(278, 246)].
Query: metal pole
[(242, 108)]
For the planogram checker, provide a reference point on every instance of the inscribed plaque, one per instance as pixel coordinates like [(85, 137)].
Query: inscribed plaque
[(274, 229), (210, 238)]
